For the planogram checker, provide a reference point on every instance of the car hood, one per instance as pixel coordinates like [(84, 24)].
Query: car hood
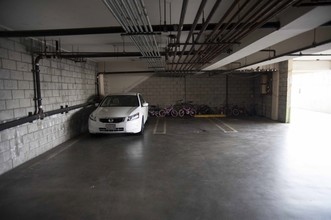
[(114, 112)]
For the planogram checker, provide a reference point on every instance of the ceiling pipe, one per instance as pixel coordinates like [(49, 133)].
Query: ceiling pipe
[(260, 18), (121, 16), (235, 26), (220, 33), (69, 55), (196, 19), (266, 14), (212, 36), (206, 23), (215, 50), (181, 22)]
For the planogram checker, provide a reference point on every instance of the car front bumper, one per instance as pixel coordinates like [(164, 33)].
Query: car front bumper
[(133, 126)]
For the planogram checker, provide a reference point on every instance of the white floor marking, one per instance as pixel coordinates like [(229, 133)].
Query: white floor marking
[(217, 125), (55, 153), (220, 127), (63, 149), (233, 130), (156, 126)]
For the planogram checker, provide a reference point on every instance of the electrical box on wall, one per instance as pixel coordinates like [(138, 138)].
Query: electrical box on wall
[(265, 84)]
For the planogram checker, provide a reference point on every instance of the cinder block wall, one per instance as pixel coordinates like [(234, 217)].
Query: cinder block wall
[(211, 90), (63, 82)]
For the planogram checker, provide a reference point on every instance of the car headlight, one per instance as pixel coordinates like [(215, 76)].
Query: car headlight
[(93, 117), (133, 117)]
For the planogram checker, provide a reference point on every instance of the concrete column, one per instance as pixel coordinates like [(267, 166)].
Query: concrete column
[(285, 77), (275, 96), (101, 85)]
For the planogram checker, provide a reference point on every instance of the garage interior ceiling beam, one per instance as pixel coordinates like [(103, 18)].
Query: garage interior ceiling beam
[(252, 16), (257, 16), (112, 30), (69, 55), (305, 51), (308, 21)]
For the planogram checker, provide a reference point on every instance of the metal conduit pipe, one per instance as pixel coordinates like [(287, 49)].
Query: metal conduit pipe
[(196, 19), (233, 27), (139, 17), (130, 28), (205, 24), (268, 13), (181, 22), (38, 98), (266, 17), (213, 35), (138, 28), (115, 9), (247, 27), (147, 39), (39, 112), (211, 48), (205, 59), (31, 118), (149, 25)]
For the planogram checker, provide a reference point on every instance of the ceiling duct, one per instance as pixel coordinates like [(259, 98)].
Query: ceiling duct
[(132, 16)]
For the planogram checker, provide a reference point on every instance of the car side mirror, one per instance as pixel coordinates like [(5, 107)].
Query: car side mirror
[(145, 104)]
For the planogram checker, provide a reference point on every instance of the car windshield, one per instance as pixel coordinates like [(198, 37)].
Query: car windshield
[(120, 101)]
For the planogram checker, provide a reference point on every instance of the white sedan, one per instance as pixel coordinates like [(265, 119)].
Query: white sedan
[(119, 113)]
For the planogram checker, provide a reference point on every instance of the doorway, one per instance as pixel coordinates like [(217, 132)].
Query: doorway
[(311, 93)]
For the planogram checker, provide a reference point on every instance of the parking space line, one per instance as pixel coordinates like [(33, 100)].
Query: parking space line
[(63, 149), (224, 127), (55, 153), (164, 131)]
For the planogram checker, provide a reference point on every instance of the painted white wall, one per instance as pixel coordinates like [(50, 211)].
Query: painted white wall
[(118, 83)]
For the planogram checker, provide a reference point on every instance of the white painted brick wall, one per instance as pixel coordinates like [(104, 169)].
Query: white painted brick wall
[(9, 64), (13, 55), (63, 82), (3, 53)]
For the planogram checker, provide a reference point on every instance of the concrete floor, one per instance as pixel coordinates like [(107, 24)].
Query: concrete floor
[(180, 169)]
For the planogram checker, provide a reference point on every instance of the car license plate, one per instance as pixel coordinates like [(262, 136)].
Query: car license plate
[(110, 126)]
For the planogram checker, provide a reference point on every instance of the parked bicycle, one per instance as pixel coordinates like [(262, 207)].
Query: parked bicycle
[(170, 110), (154, 111), (185, 108)]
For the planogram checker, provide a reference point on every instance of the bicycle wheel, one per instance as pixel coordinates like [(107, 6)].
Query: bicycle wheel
[(174, 113), (162, 113), (235, 112), (192, 112), (181, 113)]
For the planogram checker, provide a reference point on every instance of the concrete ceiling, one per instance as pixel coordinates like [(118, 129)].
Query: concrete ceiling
[(65, 14)]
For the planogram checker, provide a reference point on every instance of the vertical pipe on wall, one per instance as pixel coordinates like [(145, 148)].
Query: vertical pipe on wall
[(38, 87), (34, 86), (227, 94)]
